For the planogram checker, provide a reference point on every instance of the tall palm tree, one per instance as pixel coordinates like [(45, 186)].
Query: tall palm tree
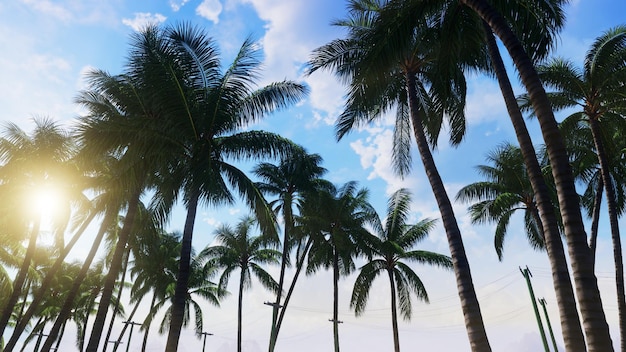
[(588, 294), (337, 220), (237, 250), (409, 76), (201, 111), (598, 89), (29, 164), (505, 190), (392, 249), (288, 181)]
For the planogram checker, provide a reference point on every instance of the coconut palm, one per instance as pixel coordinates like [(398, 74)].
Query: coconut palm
[(238, 250), (406, 75), (598, 89), (199, 286), (288, 181), (201, 111), (505, 190), (336, 220), (30, 164), (392, 249), (588, 294)]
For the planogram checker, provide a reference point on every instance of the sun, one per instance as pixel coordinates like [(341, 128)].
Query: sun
[(45, 203)]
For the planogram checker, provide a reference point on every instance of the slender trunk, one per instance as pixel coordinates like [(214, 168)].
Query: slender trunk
[(570, 321), (146, 324), (62, 332), (25, 294), (394, 312), (182, 281), (336, 299), (85, 321), (114, 270), (613, 221), (595, 221), (469, 302), (299, 266), (18, 282), (240, 307), (287, 215), (68, 305), (45, 285), (116, 309), (130, 318), (587, 292)]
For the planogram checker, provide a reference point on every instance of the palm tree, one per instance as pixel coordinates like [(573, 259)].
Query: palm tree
[(406, 75), (505, 190), (598, 90), (588, 294), (294, 176), (154, 269), (201, 112), (238, 250), (164, 289), (392, 249), (30, 164), (337, 219)]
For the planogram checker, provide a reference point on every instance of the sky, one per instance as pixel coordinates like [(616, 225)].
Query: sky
[(48, 45)]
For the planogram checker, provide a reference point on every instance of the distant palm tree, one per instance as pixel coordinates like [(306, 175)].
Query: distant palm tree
[(392, 248), (199, 287), (237, 250), (289, 181), (505, 190), (337, 219), (28, 164)]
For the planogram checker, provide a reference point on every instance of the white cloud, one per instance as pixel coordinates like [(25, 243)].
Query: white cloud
[(212, 221), (210, 9), (176, 5), (143, 19), (50, 8)]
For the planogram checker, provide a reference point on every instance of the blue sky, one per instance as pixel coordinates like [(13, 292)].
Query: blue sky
[(47, 45)]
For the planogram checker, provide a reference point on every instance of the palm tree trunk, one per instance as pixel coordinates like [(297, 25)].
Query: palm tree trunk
[(130, 318), (18, 282), (182, 281), (114, 270), (287, 215), (595, 221), (336, 299), (570, 321), (45, 285), (613, 221), (588, 294), (394, 313), (116, 309), (68, 305), (146, 325), (240, 308), (469, 302), (299, 266), (61, 333)]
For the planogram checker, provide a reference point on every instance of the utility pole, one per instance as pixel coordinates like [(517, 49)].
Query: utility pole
[(275, 308), (130, 335), (527, 274), (115, 343), (545, 312), (204, 342)]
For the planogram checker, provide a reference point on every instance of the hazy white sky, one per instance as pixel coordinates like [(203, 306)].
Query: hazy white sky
[(47, 45)]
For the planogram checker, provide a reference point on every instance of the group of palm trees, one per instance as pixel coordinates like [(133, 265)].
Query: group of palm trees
[(172, 127)]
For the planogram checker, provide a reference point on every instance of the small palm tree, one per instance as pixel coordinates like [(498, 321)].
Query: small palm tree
[(505, 190), (336, 220), (392, 249), (295, 175), (239, 251)]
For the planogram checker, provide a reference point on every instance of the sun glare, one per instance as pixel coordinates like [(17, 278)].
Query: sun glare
[(45, 203)]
